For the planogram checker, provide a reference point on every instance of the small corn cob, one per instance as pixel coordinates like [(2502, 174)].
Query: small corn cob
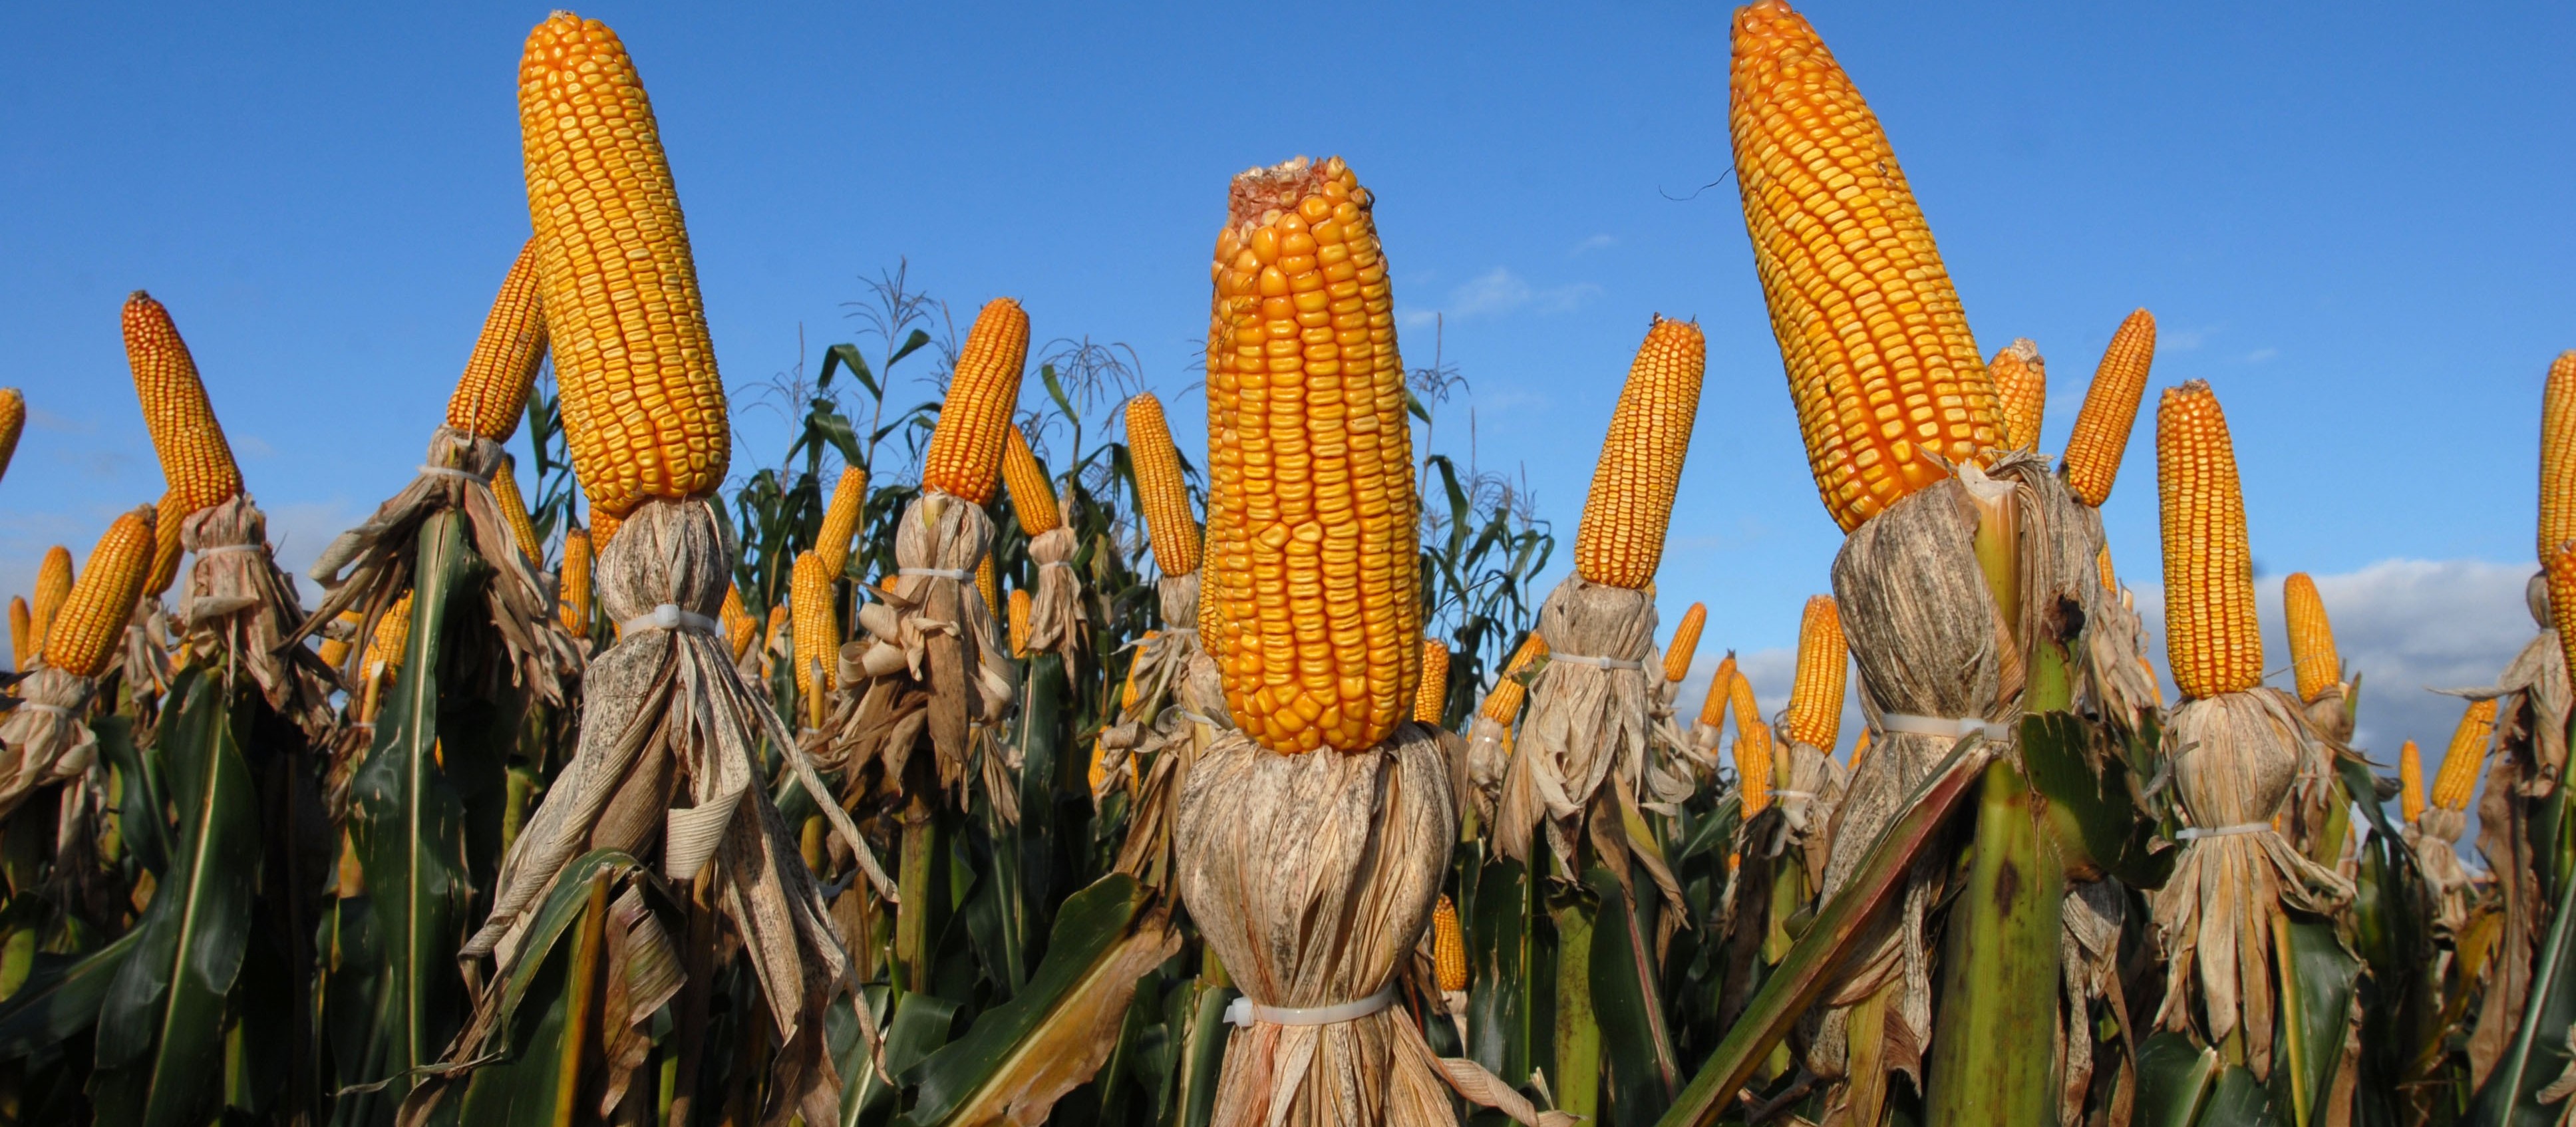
[(1019, 616), (2312, 644), (1128, 692), (1098, 773), (643, 406), (983, 391), (53, 585), (13, 421), (1879, 358), (2101, 435), (1448, 947), (2459, 775), (166, 545), (1712, 711), (1816, 702), (2560, 567), (988, 584), (514, 509), (196, 462), (493, 393), (336, 650), (1312, 516), (2558, 455), (1685, 646), (23, 643), (818, 637), (740, 626), (777, 622), (1160, 490), (1621, 539), (85, 634), (1431, 697), (2021, 392), (1752, 747), (1860, 749), (575, 582), (2410, 781), (2212, 642), (392, 639), (2102, 562), (1503, 704), (1032, 495), (841, 520)]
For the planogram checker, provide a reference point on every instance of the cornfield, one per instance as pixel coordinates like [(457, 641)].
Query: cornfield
[(981, 760)]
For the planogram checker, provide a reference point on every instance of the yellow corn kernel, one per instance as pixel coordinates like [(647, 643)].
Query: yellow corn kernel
[(575, 582), (2558, 455), (1503, 704), (841, 520), (53, 585), (1685, 645), (2312, 645), (85, 633), (1620, 541), (1160, 489), (983, 391), (2560, 568), (2458, 778), (603, 528), (1032, 495), (818, 636), (2101, 435), (493, 393), (1860, 750), (643, 405), (1712, 709), (1448, 947), (2021, 392), (2410, 781), (1431, 697), (777, 622), (2212, 642), (2102, 563), (1879, 358), (1098, 773), (336, 650), (1127, 692), (13, 422), (1021, 605), (1752, 747), (740, 626), (514, 510), (23, 643), (988, 584), (392, 640), (1312, 517), (1816, 702), (167, 548), (196, 462)]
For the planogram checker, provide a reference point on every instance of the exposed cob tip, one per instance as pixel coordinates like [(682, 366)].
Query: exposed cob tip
[(493, 392), (53, 586), (2312, 645), (391, 641), (1815, 715), (23, 642), (1448, 947), (841, 520), (987, 584), (818, 634), (1721, 687), (2410, 781), (85, 633), (2101, 435), (1032, 495), (575, 583), (196, 462), (1160, 489), (2558, 455), (1677, 656), (1752, 747), (514, 510), (740, 627), (2468, 751), (13, 422), (975, 417), (1431, 698), (2213, 643), (1621, 539), (1021, 607), (2021, 392), (1503, 704), (2560, 568)]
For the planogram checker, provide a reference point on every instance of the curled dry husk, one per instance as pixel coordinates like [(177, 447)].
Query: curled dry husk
[(668, 758), (2435, 838), (2532, 700), (44, 739), (1178, 711), (1587, 725), (1055, 610), (144, 654), (238, 607), (2089, 959), (1811, 791), (2234, 759), (368, 566), (2113, 680)]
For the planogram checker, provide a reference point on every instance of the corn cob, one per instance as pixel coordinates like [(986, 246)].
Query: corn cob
[(1448, 947), (2101, 434), (1098, 772), (514, 509), (2312, 645), (493, 393), (1879, 357), (2458, 777), (1311, 509), (1160, 491), (603, 528), (988, 584), (13, 422), (2102, 563), (2560, 568), (1752, 747), (1431, 697), (575, 582), (2021, 393), (336, 650), (53, 585), (196, 462), (1712, 711), (818, 637), (392, 639), (2212, 641), (1677, 656), (166, 545), (841, 520), (1032, 496), (1860, 750), (1621, 539), (983, 391), (86, 632), (1019, 617), (2558, 455), (2410, 781), (1816, 702), (23, 643), (643, 406), (740, 626), (1503, 704), (777, 622)]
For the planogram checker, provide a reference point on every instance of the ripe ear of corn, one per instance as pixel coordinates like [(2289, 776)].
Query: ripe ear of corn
[(1019, 621), (1621, 539), (514, 509), (23, 643), (392, 639), (2101, 435), (2102, 563), (13, 422), (85, 633), (335, 651), (493, 392), (1032, 495), (1448, 947), (167, 548), (2558, 455), (1311, 508), (1503, 705), (1815, 715), (1721, 688), (983, 391), (603, 528), (1752, 747), (2458, 778), (575, 583), (53, 585), (2021, 393), (2312, 645), (988, 584), (841, 520), (1160, 489), (1431, 699), (1677, 656), (1879, 358), (643, 406), (818, 636), (196, 462), (2410, 781), (2212, 642), (740, 626)]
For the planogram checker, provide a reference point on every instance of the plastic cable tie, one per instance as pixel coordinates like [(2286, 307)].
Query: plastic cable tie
[(2192, 833), (669, 616), (220, 549), (1943, 727), (1597, 662), (962, 575), (1196, 718), (50, 709), (1243, 1011), (450, 471)]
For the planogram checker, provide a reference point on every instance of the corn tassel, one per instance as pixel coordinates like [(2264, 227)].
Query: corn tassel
[(1032, 495), (2312, 645), (1160, 490), (1685, 645), (2458, 778), (966, 446), (1621, 539), (2101, 435), (493, 393), (841, 520), (2212, 642), (53, 585), (1431, 699), (85, 634), (1815, 715), (2021, 392)]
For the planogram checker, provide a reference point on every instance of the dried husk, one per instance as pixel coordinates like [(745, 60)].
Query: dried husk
[(239, 607), (2435, 838), (144, 661), (948, 642), (1055, 609), (1811, 790), (2235, 757), (44, 739), (1585, 723), (2089, 955), (2532, 700), (2113, 680), (1178, 712), (367, 566)]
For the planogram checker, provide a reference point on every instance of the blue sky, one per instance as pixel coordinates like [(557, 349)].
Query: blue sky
[(2351, 219)]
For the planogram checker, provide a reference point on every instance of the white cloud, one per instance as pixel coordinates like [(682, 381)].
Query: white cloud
[(2261, 354), (2186, 339), (1499, 291), (1596, 242)]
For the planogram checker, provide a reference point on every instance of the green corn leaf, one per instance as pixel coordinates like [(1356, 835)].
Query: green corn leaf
[(2174, 1078)]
